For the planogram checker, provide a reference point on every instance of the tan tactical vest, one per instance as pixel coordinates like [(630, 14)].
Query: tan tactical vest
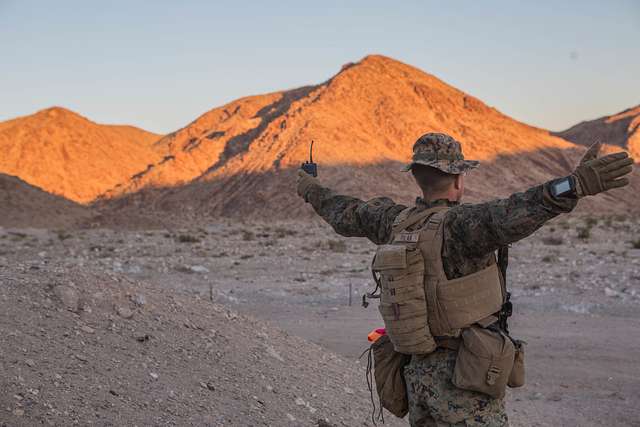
[(419, 305)]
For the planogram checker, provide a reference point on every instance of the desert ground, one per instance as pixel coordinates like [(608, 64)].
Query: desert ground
[(233, 323)]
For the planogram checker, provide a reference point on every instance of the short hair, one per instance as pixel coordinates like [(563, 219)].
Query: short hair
[(430, 179)]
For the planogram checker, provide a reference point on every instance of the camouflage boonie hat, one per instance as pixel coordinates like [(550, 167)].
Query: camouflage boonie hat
[(440, 151)]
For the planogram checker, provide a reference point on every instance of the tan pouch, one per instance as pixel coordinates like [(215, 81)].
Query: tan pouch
[(484, 363), (516, 379), (388, 366)]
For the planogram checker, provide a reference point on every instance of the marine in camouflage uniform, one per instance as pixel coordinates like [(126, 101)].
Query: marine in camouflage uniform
[(472, 234)]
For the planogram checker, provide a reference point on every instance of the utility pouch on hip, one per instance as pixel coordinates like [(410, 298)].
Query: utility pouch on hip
[(390, 384), (516, 379), (485, 361)]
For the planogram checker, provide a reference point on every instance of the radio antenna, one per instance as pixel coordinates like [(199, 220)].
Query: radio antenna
[(311, 152)]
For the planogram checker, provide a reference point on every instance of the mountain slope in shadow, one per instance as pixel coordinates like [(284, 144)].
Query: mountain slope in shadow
[(621, 129), (23, 205)]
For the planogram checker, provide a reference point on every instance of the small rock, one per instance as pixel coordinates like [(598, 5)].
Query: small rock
[(30, 362), (611, 293), (290, 417), (82, 358), (153, 375), (211, 386), (273, 353), (88, 329), (18, 412), (300, 402), (68, 296), (139, 300), (143, 338), (199, 269), (348, 390), (124, 312)]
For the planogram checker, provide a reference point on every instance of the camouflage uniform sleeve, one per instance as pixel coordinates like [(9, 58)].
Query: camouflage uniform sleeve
[(474, 231), (352, 217)]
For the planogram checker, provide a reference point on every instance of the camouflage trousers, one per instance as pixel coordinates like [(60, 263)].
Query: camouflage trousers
[(435, 401)]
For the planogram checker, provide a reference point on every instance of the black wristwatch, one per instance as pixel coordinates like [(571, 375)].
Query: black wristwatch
[(564, 187)]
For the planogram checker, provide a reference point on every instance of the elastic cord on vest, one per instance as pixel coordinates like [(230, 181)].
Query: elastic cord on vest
[(370, 384)]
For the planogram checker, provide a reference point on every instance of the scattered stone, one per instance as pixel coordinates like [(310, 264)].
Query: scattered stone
[(290, 417), (82, 358), (18, 412), (273, 353), (143, 338), (211, 386), (124, 312), (348, 390), (199, 269), (68, 296), (612, 293), (30, 362), (300, 402), (153, 375), (139, 300), (87, 329)]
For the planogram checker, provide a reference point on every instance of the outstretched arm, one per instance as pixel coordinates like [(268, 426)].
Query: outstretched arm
[(491, 225), (347, 215)]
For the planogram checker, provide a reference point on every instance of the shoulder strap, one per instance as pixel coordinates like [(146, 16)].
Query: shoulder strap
[(432, 236), (412, 218)]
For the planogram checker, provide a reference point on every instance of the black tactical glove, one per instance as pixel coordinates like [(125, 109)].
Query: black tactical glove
[(597, 174)]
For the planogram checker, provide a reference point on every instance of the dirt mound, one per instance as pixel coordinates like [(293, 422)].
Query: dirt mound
[(239, 160), (23, 205), (77, 346), (620, 129), (68, 155)]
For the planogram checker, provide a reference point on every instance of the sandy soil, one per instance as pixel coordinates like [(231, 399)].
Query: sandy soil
[(575, 284)]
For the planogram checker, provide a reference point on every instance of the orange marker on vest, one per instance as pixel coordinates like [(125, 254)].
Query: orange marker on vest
[(376, 334)]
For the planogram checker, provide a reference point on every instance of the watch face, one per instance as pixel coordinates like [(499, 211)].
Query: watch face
[(562, 187)]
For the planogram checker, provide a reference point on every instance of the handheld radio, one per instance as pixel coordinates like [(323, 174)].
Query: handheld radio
[(310, 167)]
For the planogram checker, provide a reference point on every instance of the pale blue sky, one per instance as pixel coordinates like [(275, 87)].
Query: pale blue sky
[(160, 64)]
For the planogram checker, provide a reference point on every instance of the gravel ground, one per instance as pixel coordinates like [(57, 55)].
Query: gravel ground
[(575, 285)]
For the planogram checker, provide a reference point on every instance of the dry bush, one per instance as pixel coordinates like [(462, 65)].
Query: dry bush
[(584, 233), (635, 244), (282, 232), (248, 235), (337, 246), (552, 240), (187, 238)]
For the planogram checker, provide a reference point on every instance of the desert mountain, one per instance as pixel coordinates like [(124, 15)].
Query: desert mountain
[(68, 155), (23, 205), (240, 159), (622, 130)]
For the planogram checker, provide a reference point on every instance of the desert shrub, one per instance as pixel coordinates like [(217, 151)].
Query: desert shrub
[(187, 238), (63, 235), (590, 222), (284, 232), (547, 259), (248, 235), (553, 240), (635, 244), (584, 233), (337, 246)]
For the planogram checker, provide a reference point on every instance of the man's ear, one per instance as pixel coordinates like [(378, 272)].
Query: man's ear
[(458, 182)]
